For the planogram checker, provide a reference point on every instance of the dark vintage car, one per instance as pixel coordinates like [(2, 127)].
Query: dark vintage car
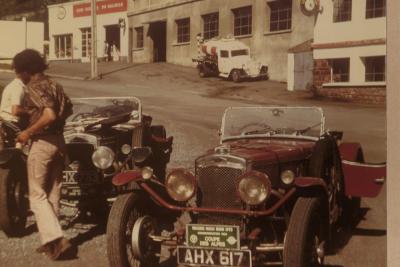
[(104, 136), (275, 191)]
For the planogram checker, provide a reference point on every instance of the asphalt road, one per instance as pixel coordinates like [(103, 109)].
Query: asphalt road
[(181, 102)]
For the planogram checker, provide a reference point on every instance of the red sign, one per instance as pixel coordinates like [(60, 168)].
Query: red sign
[(102, 7)]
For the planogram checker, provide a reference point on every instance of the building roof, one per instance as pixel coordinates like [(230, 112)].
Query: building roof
[(303, 47)]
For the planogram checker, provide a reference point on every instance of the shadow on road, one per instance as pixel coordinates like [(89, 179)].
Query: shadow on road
[(341, 239), (81, 238), (32, 228), (95, 231)]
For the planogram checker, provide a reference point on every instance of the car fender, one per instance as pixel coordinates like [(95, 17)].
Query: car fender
[(8, 155), (349, 151), (360, 179), (126, 177), (311, 182)]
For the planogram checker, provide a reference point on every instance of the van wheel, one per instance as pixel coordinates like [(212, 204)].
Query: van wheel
[(202, 73), (236, 76)]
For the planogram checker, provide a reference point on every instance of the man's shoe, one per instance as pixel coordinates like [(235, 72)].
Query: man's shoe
[(59, 246), (46, 248)]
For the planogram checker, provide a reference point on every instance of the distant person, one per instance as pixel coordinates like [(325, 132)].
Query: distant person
[(115, 53), (11, 108), (106, 57), (48, 107), (109, 52), (11, 101)]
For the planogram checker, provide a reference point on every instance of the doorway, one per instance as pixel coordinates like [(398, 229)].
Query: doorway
[(113, 38), (158, 33)]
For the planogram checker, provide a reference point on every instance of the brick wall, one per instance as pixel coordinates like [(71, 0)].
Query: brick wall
[(359, 94), (369, 95), (322, 72)]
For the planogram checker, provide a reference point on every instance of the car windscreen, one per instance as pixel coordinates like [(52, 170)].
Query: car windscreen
[(91, 109), (243, 122), (240, 52)]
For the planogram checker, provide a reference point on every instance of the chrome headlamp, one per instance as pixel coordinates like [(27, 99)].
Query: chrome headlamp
[(103, 157), (180, 185), (287, 177), (254, 187), (126, 149)]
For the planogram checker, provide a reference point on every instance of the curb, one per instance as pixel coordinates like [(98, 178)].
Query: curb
[(54, 75), (6, 71), (67, 77)]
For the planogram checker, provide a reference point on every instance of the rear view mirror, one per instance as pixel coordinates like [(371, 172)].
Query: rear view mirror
[(140, 154)]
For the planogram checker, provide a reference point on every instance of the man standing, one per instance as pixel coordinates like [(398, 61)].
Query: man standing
[(11, 101), (48, 107), (11, 106)]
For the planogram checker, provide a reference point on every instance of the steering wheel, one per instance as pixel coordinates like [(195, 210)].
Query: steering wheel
[(82, 115), (259, 127)]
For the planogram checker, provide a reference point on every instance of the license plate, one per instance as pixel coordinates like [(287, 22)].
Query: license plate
[(213, 257), (213, 236), (82, 177)]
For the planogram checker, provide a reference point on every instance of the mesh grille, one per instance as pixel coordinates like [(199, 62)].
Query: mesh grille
[(218, 187)]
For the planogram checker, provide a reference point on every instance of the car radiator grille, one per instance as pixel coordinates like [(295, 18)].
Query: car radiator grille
[(81, 153), (218, 190)]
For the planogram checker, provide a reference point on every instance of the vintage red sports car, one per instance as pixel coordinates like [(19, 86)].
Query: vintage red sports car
[(275, 191)]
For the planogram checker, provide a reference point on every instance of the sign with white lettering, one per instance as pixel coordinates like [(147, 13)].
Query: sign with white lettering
[(213, 257), (213, 236), (102, 7)]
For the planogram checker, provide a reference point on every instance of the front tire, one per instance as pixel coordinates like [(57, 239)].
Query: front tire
[(202, 72), (236, 78), (13, 203), (304, 242), (125, 212)]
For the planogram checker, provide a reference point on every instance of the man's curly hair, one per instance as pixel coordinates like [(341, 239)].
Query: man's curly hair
[(30, 61)]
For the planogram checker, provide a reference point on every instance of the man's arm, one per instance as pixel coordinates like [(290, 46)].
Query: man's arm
[(47, 117), (16, 101), (17, 110)]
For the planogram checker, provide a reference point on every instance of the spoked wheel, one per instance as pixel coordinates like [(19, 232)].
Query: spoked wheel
[(305, 238), (128, 229), (325, 163), (14, 202)]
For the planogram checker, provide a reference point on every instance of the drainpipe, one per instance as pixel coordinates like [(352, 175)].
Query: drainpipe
[(25, 31), (93, 58)]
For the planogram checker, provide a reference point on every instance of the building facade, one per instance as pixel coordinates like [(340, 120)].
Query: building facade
[(167, 30), (32, 10), (349, 50), (70, 31), (19, 36)]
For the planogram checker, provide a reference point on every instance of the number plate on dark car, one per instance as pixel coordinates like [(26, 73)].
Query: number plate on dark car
[(81, 177), (213, 236), (213, 257)]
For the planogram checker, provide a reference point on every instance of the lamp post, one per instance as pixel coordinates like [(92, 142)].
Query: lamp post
[(93, 58)]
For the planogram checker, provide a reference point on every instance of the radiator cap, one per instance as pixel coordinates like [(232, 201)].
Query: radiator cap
[(222, 149)]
